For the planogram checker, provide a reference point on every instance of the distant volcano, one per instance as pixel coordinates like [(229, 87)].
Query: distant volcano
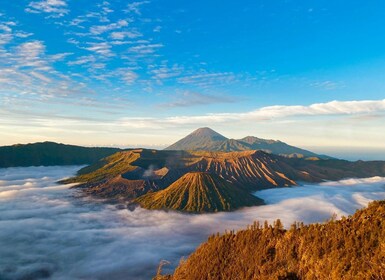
[(206, 139), (201, 139)]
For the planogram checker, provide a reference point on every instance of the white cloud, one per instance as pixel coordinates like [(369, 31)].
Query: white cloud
[(190, 99), (72, 242), (205, 80), (99, 29), (57, 8), (135, 7), (30, 53), (41, 77), (164, 72), (5, 38), (327, 85), (82, 60), (128, 76), (266, 113), (103, 49), (145, 49), (26, 68), (59, 56), (125, 34)]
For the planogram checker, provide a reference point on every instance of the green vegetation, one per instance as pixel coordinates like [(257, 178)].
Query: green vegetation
[(351, 248), (199, 192), (106, 168), (49, 153)]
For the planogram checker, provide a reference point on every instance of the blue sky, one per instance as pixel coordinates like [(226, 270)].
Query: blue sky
[(148, 72)]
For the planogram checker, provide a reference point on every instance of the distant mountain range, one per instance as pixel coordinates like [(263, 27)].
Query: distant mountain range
[(174, 180), (203, 139), (206, 139), (50, 153)]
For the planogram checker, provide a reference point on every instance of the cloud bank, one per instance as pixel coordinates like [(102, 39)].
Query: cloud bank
[(49, 231), (332, 108)]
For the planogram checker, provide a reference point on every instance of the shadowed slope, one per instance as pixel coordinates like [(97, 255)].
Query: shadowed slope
[(199, 192)]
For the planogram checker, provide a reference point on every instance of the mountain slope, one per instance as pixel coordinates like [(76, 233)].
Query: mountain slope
[(206, 139), (130, 174), (50, 153), (352, 248), (199, 192), (250, 170)]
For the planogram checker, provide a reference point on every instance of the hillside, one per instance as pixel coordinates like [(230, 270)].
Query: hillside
[(50, 153), (130, 174), (206, 139), (352, 248), (199, 192)]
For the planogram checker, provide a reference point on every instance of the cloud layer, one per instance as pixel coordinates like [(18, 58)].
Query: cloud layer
[(332, 108), (48, 231)]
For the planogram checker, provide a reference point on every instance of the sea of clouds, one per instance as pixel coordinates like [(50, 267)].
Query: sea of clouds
[(49, 231)]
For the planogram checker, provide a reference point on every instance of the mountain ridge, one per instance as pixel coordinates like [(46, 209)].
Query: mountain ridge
[(206, 139), (128, 175)]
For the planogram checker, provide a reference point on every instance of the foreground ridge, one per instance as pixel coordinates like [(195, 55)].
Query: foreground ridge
[(351, 248)]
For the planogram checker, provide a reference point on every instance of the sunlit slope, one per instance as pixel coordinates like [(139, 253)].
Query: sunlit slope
[(107, 168), (199, 192), (248, 169), (352, 248), (130, 174)]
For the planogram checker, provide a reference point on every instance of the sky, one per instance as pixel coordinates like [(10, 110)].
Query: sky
[(146, 73)]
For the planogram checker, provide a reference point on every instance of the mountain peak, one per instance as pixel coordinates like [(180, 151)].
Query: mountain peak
[(206, 139), (201, 139), (206, 131)]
